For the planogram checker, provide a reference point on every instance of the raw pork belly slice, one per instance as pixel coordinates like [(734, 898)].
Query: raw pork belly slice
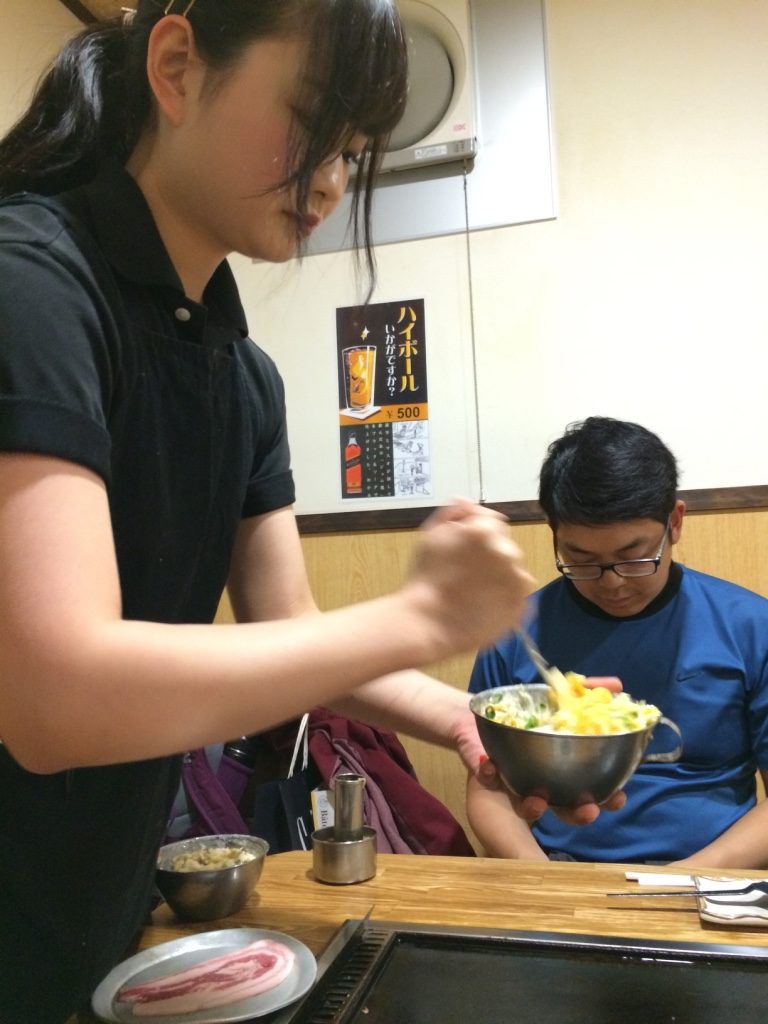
[(237, 975)]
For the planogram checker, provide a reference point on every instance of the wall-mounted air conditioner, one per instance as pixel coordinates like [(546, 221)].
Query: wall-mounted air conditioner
[(439, 123)]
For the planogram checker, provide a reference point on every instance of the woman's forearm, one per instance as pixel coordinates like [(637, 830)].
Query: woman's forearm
[(125, 690), (412, 702)]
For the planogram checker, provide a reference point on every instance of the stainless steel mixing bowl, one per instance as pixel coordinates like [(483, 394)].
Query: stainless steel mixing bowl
[(564, 769)]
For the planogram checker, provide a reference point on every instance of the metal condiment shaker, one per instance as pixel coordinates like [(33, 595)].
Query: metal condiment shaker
[(346, 851)]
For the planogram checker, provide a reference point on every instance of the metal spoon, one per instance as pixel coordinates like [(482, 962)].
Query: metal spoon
[(552, 676)]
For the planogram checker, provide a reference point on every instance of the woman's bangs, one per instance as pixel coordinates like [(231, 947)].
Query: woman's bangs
[(360, 56), (355, 83), (375, 79)]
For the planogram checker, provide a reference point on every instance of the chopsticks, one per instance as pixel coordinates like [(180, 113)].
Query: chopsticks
[(745, 890)]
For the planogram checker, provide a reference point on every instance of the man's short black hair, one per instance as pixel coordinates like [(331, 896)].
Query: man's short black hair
[(604, 470)]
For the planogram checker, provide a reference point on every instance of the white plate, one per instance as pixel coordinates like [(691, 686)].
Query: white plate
[(179, 954)]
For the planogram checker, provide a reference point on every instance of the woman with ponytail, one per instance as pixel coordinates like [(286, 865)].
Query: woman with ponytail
[(144, 462)]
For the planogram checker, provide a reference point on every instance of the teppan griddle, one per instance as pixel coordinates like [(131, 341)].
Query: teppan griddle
[(377, 972)]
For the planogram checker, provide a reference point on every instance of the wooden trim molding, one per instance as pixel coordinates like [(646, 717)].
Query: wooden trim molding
[(713, 499)]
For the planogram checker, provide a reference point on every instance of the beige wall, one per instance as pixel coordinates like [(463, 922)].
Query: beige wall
[(651, 273), (644, 299), (31, 32)]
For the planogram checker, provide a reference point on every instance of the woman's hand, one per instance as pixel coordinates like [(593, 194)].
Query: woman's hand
[(467, 577)]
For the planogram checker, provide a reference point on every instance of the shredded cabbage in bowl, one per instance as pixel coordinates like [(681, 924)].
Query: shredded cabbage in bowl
[(572, 708)]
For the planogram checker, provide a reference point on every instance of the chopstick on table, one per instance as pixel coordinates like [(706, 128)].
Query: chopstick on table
[(744, 890)]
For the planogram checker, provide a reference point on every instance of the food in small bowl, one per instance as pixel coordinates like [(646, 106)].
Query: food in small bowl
[(209, 877), (570, 746)]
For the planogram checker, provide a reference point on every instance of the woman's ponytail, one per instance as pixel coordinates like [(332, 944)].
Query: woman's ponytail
[(84, 111)]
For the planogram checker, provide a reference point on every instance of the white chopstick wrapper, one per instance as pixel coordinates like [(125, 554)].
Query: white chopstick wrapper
[(655, 878), (742, 912)]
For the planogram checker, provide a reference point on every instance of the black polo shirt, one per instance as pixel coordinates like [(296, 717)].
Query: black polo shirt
[(106, 363)]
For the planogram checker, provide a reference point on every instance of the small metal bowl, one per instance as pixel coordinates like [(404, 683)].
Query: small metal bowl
[(564, 769), (209, 893)]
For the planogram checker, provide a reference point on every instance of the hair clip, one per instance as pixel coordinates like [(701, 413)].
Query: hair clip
[(186, 10), (129, 13)]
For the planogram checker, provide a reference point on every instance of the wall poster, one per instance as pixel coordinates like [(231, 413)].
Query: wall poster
[(383, 402)]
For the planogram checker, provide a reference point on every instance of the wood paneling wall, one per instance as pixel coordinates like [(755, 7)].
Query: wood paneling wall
[(346, 568)]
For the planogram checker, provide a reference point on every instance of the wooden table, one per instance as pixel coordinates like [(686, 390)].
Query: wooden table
[(517, 895)]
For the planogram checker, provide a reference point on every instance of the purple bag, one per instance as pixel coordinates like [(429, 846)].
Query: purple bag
[(213, 781)]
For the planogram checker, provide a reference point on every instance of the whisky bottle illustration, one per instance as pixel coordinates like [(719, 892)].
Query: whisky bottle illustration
[(353, 466)]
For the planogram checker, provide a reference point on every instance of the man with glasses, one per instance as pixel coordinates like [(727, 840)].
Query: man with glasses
[(694, 645)]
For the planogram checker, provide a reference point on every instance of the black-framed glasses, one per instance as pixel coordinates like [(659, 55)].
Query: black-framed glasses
[(632, 568)]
